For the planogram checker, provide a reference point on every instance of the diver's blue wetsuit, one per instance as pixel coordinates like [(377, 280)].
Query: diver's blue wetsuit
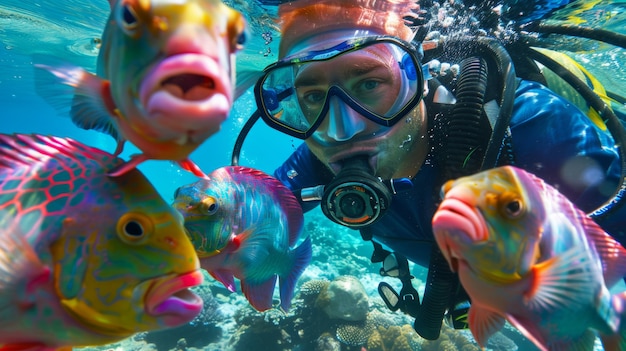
[(547, 131)]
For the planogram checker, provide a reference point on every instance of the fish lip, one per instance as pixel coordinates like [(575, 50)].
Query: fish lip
[(455, 217), (168, 298), (188, 115), (472, 222)]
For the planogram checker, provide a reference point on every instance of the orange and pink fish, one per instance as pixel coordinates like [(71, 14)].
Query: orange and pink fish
[(85, 258), (247, 225), (165, 77), (525, 254)]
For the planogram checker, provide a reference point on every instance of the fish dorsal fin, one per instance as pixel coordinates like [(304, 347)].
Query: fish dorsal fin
[(611, 252), (21, 150), (285, 198)]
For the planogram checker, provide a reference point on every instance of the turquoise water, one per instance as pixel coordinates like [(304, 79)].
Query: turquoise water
[(67, 29)]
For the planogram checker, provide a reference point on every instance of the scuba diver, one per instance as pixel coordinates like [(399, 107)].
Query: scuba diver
[(381, 137)]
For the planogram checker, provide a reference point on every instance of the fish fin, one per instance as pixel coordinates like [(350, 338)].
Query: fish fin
[(483, 323), (563, 281), (226, 278), (301, 259), (617, 340), (90, 102), (612, 253), (529, 331), (127, 166), (245, 79), (259, 295), (18, 263), (190, 166)]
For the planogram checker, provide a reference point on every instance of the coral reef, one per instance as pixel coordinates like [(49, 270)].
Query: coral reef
[(394, 338), (344, 298), (451, 340)]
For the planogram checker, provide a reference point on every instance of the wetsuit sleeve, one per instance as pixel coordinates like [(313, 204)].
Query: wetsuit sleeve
[(559, 143), (301, 170)]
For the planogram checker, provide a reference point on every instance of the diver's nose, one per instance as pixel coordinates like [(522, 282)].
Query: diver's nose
[(343, 122)]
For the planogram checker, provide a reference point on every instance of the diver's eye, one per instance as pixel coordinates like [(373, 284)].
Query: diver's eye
[(134, 228), (128, 17), (513, 208), (209, 206)]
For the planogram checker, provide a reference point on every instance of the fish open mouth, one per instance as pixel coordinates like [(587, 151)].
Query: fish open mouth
[(170, 299), (186, 94), (189, 86)]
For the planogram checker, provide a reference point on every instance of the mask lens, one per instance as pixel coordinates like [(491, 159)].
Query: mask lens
[(381, 80)]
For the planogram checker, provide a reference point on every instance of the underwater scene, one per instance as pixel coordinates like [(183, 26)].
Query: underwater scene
[(327, 296)]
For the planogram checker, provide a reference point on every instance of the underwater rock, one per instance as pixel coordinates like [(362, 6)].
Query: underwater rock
[(327, 342), (344, 298)]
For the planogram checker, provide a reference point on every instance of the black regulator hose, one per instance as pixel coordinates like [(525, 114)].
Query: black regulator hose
[(598, 34), (242, 136), (470, 144), (613, 124)]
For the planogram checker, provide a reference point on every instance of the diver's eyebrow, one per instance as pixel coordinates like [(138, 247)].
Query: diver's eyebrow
[(359, 70), (306, 80)]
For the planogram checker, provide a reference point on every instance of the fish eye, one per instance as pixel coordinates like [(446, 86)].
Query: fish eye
[(134, 228), (242, 38), (209, 206), (239, 28), (128, 17), (513, 208)]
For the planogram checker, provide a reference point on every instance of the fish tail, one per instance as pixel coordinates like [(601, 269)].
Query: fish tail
[(301, 259), (259, 295), (617, 340)]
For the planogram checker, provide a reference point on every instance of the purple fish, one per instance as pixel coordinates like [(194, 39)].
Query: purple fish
[(524, 253), (245, 224)]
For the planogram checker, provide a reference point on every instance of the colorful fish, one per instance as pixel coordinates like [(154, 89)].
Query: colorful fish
[(245, 224), (165, 77), (85, 258), (526, 254)]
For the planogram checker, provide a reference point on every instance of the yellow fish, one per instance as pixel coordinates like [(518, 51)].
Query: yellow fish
[(165, 77), (85, 258)]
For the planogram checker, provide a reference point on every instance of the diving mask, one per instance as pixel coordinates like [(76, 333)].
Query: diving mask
[(380, 77)]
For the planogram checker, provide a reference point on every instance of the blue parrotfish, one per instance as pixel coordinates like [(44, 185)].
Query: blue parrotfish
[(164, 77), (245, 224), (527, 255), (86, 258)]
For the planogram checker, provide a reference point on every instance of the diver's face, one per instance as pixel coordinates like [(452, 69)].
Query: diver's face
[(370, 77)]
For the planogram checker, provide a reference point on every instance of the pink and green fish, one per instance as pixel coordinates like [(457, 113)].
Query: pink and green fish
[(245, 224), (165, 77), (85, 258), (525, 254)]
